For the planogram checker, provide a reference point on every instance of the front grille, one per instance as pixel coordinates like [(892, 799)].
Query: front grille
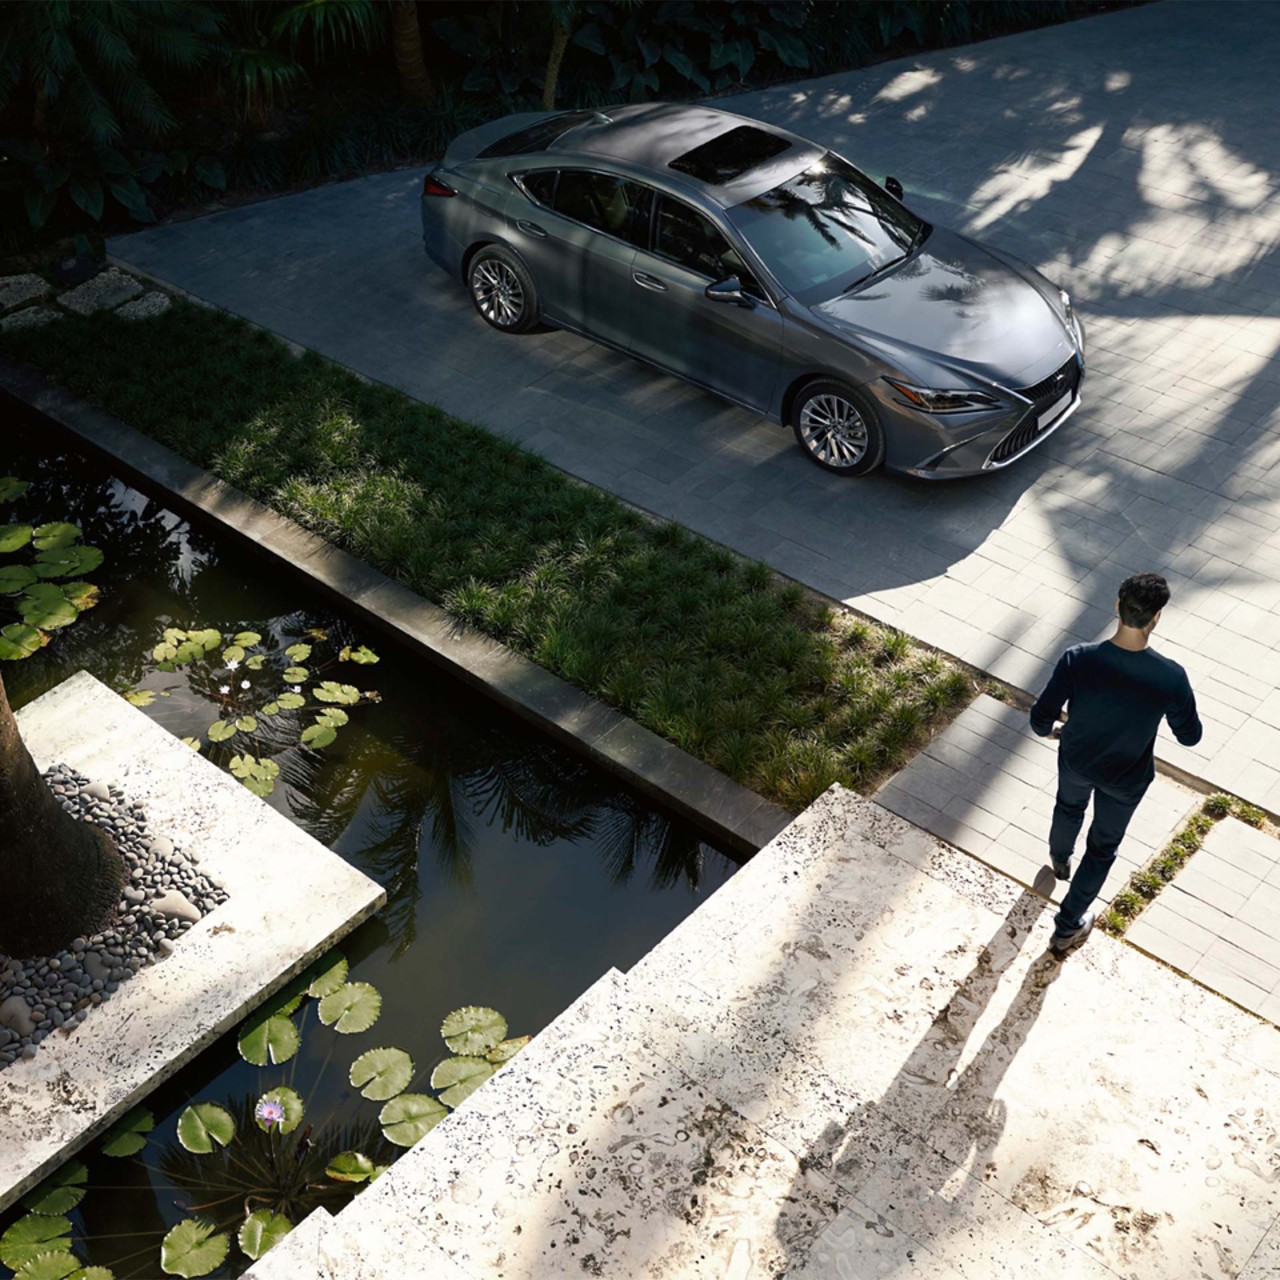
[(1043, 394)]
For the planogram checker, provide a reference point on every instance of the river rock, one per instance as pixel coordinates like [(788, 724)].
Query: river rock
[(174, 904), (16, 1014)]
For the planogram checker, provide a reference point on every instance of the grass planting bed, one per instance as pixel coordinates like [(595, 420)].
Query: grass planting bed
[(752, 675)]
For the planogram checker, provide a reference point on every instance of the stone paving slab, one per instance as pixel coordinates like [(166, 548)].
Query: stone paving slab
[(882, 1074), (1219, 920), (1132, 156), (986, 784), (290, 900)]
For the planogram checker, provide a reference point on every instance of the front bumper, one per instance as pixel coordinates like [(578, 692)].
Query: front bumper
[(1000, 443)]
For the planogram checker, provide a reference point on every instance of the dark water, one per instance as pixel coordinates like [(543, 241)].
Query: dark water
[(516, 872)]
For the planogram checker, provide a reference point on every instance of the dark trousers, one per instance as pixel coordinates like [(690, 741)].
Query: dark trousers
[(1111, 813)]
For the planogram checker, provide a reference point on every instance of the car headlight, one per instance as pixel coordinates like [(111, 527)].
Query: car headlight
[(935, 401), (1069, 313)]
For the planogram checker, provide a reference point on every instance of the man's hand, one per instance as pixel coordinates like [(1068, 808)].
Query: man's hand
[(1056, 731)]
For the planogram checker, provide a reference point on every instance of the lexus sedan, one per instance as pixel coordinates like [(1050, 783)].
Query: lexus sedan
[(766, 269)]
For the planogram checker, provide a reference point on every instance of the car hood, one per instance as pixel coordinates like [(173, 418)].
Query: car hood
[(956, 304)]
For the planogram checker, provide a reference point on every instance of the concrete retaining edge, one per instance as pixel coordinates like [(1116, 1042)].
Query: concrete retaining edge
[(736, 818)]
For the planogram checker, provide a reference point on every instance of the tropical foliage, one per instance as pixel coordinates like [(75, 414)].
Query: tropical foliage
[(248, 1169)]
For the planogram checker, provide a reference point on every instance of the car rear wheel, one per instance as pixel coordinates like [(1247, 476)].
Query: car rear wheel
[(837, 427), (502, 291)]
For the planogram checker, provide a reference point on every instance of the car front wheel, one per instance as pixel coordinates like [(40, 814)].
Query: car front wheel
[(838, 428), (502, 291)]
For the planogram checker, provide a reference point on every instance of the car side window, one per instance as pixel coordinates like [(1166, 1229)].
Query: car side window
[(600, 200), (692, 240), (541, 186)]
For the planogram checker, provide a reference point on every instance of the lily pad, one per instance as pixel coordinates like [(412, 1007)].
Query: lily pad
[(459, 1078), (13, 537), (318, 735), (247, 639), (352, 1008), (291, 1101), (15, 578), (130, 1134), (256, 662), (332, 691), (67, 562), (331, 973), (33, 1235), (92, 1273), (60, 1193), (507, 1050), (380, 1074), (473, 1029), (298, 652), (273, 1038), (50, 1266), (246, 724), (202, 1125), (334, 717), (269, 709), (350, 1166), (296, 675), (363, 656), (49, 537), (291, 701), (47, 612), (220, 731), (262, 1230), (410, 1117), (84, 595), (18, 640), (208, 639), (194, 743), (232, 653), (193, 1248), (11, 487)]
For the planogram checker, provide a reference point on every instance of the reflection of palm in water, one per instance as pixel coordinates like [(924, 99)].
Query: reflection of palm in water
[(890, 1151)]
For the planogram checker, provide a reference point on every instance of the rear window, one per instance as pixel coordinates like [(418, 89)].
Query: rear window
[(730, 155), (537, 137)]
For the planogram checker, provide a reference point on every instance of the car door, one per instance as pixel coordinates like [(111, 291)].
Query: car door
[(732, 349), (576, 235)]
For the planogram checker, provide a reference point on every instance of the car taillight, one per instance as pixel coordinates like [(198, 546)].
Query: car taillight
[(434, 187)]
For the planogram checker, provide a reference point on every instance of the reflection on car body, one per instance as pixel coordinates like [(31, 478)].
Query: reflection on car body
[(767, 269)]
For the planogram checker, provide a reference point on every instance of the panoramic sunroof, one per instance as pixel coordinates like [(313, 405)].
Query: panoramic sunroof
[(729, 155)]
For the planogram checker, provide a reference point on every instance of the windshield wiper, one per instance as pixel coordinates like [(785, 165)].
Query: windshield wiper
[(871, 275), (920, 237)]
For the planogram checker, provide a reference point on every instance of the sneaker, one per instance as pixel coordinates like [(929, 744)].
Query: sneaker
[(1061, 943), (1061, 869)]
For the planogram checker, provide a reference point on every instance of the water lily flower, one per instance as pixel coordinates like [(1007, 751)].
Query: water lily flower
[(224, 688), (269, 1112), (244, 684), (295, 688), (233, 664)]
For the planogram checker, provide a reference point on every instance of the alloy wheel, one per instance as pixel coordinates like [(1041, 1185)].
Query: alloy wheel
[(498, 292), (834, 431)]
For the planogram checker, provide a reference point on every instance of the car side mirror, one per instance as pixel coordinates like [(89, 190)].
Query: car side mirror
[(893, 187), (729, 290)]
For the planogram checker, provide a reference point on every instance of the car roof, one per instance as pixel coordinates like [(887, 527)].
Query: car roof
[(648, 136)]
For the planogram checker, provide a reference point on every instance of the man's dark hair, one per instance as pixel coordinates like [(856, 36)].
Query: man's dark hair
[(1141, 598)]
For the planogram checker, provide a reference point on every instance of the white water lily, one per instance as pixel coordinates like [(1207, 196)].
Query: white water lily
[(233, 664), (295, 688), (244, 684), (224, 688)]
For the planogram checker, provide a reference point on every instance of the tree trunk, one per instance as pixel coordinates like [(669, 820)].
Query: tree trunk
[(559, 42), (406, 44), (61, 877)]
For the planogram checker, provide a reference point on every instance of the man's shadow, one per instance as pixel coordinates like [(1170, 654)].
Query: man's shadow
[(889, 1152)]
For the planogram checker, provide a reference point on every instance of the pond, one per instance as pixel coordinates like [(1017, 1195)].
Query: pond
[(517, 872)]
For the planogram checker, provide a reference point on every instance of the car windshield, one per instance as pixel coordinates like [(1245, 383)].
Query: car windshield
[(830, 225)]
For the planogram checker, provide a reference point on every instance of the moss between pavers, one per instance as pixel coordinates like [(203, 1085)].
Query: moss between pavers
[(1145, 884), (755, 676)]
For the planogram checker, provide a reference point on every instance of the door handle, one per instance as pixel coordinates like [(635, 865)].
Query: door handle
[(532, 228), (648, 281)]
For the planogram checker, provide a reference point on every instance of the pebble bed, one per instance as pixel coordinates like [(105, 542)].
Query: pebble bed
[(164, 895)]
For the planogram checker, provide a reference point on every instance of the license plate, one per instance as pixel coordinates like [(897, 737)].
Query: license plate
[(1053, 411)]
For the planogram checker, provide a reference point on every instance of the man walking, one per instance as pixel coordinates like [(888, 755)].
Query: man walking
[(1116, 692)]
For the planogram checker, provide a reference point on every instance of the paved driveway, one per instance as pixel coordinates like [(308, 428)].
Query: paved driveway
[(1133, 156)]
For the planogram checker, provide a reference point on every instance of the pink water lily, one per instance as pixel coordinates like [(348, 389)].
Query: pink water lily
[(269, 1112)]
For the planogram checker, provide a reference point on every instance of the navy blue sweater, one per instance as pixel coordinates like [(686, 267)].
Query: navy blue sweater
[(1116, 699)]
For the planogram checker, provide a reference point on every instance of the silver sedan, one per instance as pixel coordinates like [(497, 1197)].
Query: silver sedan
[(766, 269)]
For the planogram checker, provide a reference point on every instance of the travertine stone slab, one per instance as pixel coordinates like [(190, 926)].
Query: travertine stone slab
[(106, 290), (290, 899), (146, 307), (17, 291), (29, 318)]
